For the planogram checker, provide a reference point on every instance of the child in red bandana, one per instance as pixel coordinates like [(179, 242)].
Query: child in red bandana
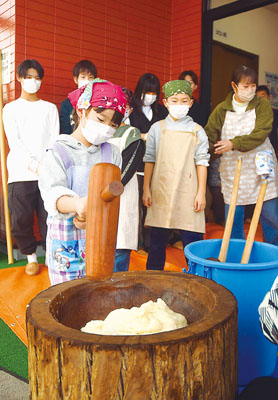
[(64, 176)]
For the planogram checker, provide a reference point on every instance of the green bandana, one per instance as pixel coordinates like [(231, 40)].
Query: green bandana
[(174, 87)]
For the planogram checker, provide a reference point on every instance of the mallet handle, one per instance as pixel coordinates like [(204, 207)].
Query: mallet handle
[(112, 190), (254, 224), (231, 213)]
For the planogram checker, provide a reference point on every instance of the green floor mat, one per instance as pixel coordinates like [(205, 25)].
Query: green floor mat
[(13, 353), (4, 262)]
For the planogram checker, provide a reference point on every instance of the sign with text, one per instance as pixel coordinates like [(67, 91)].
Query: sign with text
[(6, 66)]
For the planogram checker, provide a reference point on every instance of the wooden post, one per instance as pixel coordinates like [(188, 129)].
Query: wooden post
[(4, 175)]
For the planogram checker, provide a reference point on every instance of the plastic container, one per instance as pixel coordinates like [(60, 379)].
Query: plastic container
[(249, 283)]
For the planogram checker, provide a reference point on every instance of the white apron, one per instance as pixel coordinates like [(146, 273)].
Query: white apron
[(127, 237), (237, 125), (174, 182)]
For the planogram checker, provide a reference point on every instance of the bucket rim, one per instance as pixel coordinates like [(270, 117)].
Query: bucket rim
[(228, 265)]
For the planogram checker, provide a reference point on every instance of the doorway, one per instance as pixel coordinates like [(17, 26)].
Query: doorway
[(224, 60), (210, 46)]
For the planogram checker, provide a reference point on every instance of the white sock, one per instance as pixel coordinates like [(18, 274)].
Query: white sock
[(32, 258)]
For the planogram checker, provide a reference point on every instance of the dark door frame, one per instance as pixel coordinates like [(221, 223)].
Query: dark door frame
[(208, 17), (225, 88)]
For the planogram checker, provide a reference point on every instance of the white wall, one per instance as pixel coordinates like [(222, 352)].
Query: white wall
[(253, 31)]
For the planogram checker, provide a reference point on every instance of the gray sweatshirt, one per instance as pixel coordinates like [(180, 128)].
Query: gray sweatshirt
[(52, 177), (186, 123)]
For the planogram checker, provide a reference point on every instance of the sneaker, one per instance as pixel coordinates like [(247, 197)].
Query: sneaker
[(32, 268)]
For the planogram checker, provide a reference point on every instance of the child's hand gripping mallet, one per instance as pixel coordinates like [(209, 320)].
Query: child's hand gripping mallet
[(264, 167), (230, 218)]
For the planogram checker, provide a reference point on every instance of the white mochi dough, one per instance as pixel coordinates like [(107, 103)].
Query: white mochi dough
[(150, 317)]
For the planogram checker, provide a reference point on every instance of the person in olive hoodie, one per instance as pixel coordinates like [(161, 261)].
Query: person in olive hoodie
[(239, 126)]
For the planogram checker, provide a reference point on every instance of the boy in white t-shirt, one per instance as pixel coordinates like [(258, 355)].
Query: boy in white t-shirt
[(31, 124)]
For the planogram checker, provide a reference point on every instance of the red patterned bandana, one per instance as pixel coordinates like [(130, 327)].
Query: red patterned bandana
[(99, 93)]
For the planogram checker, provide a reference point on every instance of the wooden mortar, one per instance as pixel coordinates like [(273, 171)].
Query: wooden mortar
[(198, 362)]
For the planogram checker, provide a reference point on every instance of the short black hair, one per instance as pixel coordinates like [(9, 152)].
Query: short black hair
[(147, 83), (27, 64), (243, 71), (84, 66), (193, 75), (263, 88)]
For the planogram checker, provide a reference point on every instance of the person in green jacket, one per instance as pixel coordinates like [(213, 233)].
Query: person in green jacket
[(239, 126)]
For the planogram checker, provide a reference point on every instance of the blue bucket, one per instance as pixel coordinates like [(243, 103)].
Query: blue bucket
[(249, 283)]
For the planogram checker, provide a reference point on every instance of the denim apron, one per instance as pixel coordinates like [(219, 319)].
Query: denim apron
[(65, 244)]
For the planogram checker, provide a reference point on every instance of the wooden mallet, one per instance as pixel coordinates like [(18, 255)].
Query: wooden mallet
[(264, 162), (104, 192)]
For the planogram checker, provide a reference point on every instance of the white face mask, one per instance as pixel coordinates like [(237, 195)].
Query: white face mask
[(178, 111), (96, 132), (246, 95), (31, 85), (82, 82), (149, 99)]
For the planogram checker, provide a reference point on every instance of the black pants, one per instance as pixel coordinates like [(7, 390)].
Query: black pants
[(158, 241), (24, 199), (217, 205)]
